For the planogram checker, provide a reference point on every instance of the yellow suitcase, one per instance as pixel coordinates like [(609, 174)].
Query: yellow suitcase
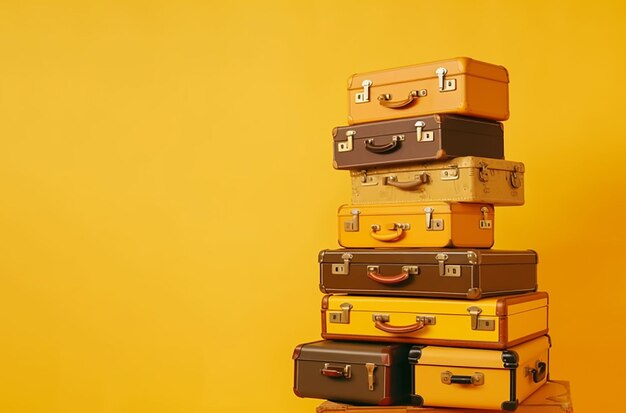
[(478, 378), (552, 397), (461, 85), (434, 224), (496, 322), (464, 179)]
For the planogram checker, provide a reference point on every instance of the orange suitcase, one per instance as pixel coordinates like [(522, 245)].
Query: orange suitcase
[(462, 85)]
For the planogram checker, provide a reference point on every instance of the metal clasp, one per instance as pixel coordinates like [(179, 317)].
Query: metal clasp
[(485, 223), (370, 375), (432, 224), (353, 224), (342, 269), (516, 181), (442, 258), (346, 146), (445, 85), (450, 174), (478, 323), (421, 135), (368, 180), (342, 317), (364, 97), (483, 173)]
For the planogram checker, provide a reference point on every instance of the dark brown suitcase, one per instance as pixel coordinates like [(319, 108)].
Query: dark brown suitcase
[(427, 272), (352, 372), (424, 138)]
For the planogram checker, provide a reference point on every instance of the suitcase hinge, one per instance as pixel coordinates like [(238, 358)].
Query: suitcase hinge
[(346, 146), (370, 375), (485, 222), (343, 316), (450, 174), (445, 85), (353, 224), (342, 269), (478, 323), (364, 97), (432, 224), (515, 181), (483, 172), (423, 136)]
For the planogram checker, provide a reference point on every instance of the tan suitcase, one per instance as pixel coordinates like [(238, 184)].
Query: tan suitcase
[(465, 179), (434, 224), (462, 85), (553, 397)]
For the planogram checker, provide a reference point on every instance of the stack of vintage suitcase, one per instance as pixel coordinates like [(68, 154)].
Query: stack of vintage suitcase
[(419, 310)]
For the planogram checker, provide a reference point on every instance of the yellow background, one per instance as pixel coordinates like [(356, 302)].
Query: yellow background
[(166, 185)]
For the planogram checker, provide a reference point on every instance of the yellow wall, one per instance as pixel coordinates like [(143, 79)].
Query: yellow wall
[(166, 184)]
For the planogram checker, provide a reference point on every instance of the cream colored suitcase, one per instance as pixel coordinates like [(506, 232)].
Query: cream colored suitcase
[(464, 179), (434, 224), (478, 378), (461, 85), (497, 322)]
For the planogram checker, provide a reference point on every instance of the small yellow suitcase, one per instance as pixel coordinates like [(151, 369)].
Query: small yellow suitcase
[(496, 322), (461, 85), (463, 179), (477, 378), (434, 224)]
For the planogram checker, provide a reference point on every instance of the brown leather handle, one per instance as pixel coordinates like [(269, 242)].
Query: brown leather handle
[(388, 279), (387, 328), (384, 100), (331, 373), (371, 146), (419, 180)]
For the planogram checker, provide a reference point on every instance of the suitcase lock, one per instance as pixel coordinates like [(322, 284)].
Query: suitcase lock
[(480, 323), (353, 224), (342, 269), (485, 223), (423, 136), (364, 97), (432, 224), (515, 181), (476, 379), (343, 316), (445, 85), (346, 146), (370, 375)]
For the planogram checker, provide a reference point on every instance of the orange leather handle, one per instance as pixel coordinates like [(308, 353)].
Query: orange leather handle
[(371, 146), (388, 279), (384, 100), (387, 328), (420, 180), (393, 236)]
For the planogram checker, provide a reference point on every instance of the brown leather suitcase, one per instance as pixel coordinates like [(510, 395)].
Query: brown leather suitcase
[(419, 139), (424, 272), (461, 85), (552, 397), (363, 373)]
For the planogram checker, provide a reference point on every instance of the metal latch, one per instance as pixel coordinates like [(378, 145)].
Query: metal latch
[(450, 174), (346, 146), (342, 269), (432, 224), (370, 375), (476, 379), (447, 270), (442, 257), (368, 180), (353, 224), (483, 172), (515, 181), (480, 323), (445, 85), (485, 222), (342, 317), (421, 135), (364, 97)]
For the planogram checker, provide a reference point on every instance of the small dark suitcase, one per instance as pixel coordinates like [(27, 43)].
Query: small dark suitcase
[(352, 372), (421, 139), (427, 272)]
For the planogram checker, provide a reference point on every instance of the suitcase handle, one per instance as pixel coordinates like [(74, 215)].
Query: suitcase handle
[(417, 182), (380, 324), (398, 230), (385, 100), (336, 371), (539, 373), (373, 274), (371, 146)]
